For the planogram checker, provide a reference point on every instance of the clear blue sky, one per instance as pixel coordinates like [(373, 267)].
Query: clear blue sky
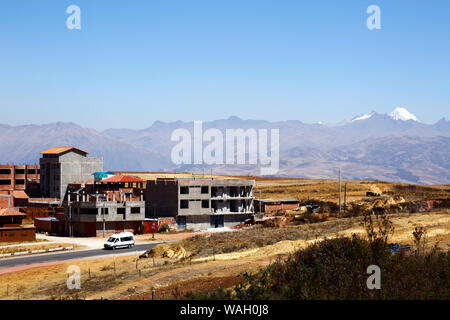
[(134, 62)]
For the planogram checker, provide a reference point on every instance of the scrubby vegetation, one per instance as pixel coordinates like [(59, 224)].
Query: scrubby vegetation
[(337, 269), (417, 191), (226, 242), (164, 228)]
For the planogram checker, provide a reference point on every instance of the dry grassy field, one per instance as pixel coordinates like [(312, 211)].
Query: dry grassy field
[(234, 253), (321, 189), (353, 190), (18, 248)]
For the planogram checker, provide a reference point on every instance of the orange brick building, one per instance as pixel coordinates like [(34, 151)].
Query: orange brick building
[(11, 228), (271, 205), (14, 180)]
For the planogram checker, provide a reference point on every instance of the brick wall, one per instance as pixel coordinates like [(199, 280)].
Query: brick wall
[(18, 234), (282, 206), (169, 221)]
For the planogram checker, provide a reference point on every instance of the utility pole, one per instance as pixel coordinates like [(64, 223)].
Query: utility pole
[(259, 200), (345, 197), (339, 192), (154, 223), (103, 211), (69, 202), (70, 216)]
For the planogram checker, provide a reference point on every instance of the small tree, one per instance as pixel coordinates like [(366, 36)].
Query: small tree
[(420, 239), (164, 228), (378, 232)]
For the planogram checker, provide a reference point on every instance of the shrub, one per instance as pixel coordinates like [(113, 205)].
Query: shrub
[(164, 228), (215, 294), (378, 227), (336, 269), (354, 210)]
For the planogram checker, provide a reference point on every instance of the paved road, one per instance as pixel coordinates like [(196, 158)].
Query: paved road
[(77, 254)]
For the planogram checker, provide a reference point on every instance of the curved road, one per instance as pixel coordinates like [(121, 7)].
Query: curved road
[(77, 254)]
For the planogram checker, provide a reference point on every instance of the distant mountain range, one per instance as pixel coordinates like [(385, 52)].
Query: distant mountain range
[(391, 147)]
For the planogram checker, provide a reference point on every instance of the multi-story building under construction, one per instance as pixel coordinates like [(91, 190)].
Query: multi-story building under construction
[(201, 203)]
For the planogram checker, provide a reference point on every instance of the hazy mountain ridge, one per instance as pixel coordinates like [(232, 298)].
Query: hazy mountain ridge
[(375, 146), (295, 133), (23, 144), (399, 158)]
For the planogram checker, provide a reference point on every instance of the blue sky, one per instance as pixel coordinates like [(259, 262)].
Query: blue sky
[(134, 62)]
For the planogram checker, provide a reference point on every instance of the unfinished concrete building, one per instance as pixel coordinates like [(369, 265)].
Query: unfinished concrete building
[(64, 165), (200, 203), (105, 208)]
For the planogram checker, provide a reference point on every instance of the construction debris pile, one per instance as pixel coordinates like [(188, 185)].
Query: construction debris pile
[(312, 211), (165, 251)]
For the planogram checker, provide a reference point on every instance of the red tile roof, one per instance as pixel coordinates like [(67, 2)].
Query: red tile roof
[(10, 212), (122, 179), (59, 150)]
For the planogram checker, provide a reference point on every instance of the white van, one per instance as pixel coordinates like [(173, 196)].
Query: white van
[(120, 240)]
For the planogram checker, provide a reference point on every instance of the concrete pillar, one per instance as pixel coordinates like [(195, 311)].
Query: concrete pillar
[(96, 196)]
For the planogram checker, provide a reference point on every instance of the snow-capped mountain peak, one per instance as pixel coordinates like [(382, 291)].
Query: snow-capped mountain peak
[(363, 117), (400, 113)]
